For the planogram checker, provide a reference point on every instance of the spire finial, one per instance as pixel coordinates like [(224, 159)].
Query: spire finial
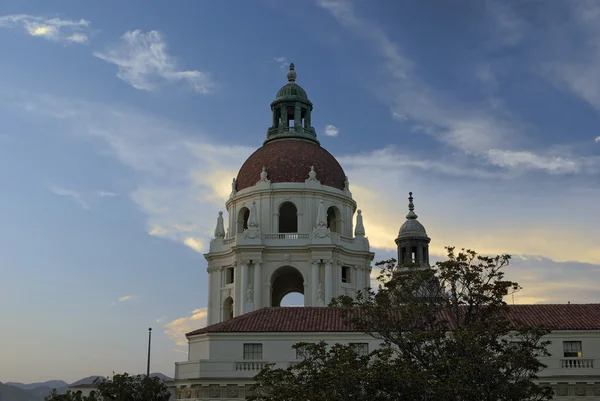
[(411, 208), (291, 75)]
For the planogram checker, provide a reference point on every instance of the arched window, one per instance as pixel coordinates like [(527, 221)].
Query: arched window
[(242, 221), (228, 308), (288, 218), (333, 219)]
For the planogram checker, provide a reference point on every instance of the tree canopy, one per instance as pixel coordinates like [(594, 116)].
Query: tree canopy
[(445, 335), (121, 387)]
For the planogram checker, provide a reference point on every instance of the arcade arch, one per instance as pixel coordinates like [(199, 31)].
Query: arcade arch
[(285, 280)]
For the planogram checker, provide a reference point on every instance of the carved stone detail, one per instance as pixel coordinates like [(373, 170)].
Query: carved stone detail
[(312, 175), (249, 295)]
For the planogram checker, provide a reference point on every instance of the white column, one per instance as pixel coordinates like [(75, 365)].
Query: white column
[(210, 316), (244, 287), (367, 276), (314, 285), (328, 281), (257, 287)]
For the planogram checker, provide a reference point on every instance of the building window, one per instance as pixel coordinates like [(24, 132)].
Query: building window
[(253, 352), (229, 275), (361, 348), (302, 352), (572, 349), (345, 274)]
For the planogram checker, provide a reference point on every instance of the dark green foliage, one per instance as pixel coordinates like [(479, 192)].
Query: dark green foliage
[(445, 333), (69, 396), (124, 387)]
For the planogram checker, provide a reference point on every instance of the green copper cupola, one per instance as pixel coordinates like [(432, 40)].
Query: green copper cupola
[(291, 112)]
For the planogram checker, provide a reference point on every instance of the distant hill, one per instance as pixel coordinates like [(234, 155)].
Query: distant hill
[(12, 393), (161, 376), (31, 386), (85, 380)]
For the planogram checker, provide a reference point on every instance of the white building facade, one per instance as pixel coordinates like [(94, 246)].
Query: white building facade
[(292, 227)]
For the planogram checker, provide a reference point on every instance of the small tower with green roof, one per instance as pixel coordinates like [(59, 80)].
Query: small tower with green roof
[(291, 112)]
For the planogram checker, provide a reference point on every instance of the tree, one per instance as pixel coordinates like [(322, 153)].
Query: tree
[(123, 387), (69, 396), (446, 335)]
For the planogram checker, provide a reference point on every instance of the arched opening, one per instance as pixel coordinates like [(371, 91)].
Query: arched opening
[(285, 280), (288, 218), (292, 299), (242, 221), (227, 308), (333, 219)]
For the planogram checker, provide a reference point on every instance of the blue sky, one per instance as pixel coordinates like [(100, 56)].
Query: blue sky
[(123, 124)]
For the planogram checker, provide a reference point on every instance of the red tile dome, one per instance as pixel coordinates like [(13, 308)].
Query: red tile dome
[(289, 160)]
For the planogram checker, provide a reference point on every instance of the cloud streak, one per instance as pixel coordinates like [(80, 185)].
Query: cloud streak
[(54, 29), (69, 193), (177, 328), (144, 62)]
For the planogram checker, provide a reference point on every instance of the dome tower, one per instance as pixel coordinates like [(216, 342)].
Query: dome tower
[(412, 241), (289, 225)]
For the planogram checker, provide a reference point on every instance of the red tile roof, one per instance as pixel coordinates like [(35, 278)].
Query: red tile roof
[(324, 319), (289, 160)]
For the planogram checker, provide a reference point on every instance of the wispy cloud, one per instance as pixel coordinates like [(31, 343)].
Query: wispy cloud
[(176, 329), (69, 193), (488, 132), (574, 62), (54, 29), (331, 130), (183, 178), (597, 140), (556, 164), (144, 62), (125, 298), (282, 61), (81, 198)]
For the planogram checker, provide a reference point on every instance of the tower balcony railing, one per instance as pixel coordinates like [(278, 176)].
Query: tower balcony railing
[(287, 236), (288, 239)]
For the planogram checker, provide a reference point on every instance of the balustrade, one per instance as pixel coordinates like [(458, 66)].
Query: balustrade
[(250, 365), (578, 363)]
